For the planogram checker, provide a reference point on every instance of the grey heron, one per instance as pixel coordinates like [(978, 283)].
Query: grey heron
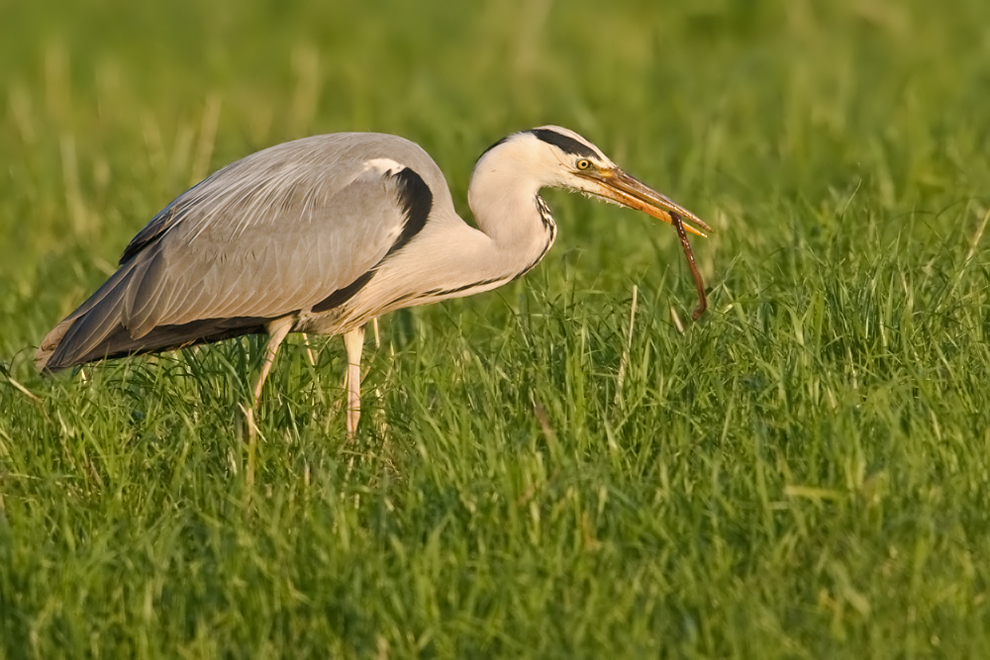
[(325, 233)]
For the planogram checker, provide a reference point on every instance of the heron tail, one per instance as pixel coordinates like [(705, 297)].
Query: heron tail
[(99, 330), (84, 330)]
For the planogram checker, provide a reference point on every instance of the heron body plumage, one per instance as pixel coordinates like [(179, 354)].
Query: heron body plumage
[(325, 233)]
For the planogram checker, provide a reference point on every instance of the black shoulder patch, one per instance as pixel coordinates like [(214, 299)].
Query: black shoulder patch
[(568, 144), (416, 200), (340, 296)]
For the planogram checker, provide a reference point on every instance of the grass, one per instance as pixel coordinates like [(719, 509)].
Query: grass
[(805, 473)]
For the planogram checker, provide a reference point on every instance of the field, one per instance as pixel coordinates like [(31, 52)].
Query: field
[(566, 467)]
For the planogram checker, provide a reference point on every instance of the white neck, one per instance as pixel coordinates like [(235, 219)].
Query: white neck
[(505, 204)]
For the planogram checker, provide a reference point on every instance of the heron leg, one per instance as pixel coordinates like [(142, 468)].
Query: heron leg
[(354, 343), (277, 331)]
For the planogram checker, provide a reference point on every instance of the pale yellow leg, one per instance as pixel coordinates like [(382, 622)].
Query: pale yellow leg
[(277, 331), (354, 343)]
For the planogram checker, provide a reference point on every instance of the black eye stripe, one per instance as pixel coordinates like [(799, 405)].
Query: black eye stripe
[(567, 144)]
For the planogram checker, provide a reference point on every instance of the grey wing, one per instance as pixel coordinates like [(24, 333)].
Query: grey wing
[(257, 241)]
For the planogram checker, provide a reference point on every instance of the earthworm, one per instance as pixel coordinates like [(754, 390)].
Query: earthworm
[(702, 300)]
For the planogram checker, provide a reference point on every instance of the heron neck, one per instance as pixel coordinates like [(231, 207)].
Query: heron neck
[(508, 209)]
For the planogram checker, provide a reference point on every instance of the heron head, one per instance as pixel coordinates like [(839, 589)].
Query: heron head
[(558, 157)]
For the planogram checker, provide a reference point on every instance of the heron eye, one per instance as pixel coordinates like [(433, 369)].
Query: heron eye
[(583, 164)]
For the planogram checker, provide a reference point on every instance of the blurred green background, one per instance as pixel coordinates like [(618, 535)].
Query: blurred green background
[(804, 473)]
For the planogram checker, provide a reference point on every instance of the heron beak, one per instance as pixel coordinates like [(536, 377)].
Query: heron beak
[(629, 191)]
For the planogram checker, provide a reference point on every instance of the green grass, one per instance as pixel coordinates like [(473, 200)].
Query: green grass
[(805, 473)]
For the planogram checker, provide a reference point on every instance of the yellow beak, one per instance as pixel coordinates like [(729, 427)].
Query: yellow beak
[(629, 191)]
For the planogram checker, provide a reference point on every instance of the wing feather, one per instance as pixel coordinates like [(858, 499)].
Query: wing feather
[(272, 234), (265, 264)]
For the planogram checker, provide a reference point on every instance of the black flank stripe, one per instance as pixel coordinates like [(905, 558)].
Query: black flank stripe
[(340, 296), (568, 144), (470, 286), (416, 200)]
